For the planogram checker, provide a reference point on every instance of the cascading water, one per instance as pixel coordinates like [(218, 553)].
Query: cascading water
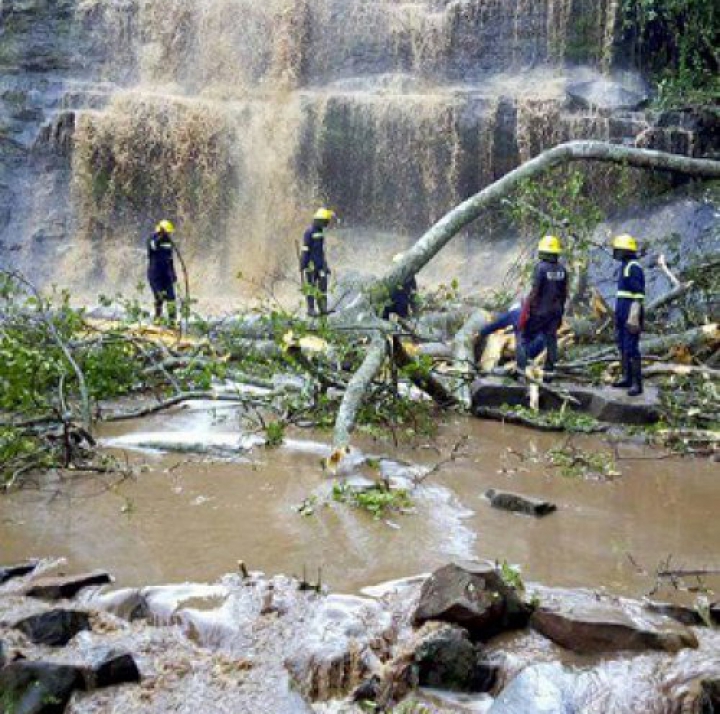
[(236, 118)]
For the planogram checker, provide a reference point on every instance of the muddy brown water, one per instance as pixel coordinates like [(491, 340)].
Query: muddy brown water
[(191, 518)]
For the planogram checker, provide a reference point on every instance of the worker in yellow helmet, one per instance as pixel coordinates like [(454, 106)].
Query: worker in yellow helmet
[(545, 306), (629, 313), (313, 264), (161, 270)]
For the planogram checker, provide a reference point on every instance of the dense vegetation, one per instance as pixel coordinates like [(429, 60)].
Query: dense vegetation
[(679, 42)]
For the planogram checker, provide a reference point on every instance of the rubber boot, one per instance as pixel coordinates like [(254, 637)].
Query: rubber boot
[(636, 387), (311, 306), (322, 304), (625, 381), (158, 311)]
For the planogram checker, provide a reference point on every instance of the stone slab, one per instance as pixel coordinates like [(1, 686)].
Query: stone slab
[(604, 403)]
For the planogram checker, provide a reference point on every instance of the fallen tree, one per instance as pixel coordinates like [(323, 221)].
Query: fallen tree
[(439, 235)]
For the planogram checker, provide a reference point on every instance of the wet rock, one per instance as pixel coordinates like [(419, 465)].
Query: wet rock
[(341, 647), (605, 404), (66, 586), (54, 628), (9, 572), (686, 615), (473, 596), (517, 503), (115, 668), (540, 689), (38, 687), (2, 654), (606, 95), (446, 659), (589, 628)]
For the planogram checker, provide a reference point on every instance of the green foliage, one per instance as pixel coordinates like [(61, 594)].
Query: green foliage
[(377, 500), (567, 419), (512, 576), (578, 463), (274, 434), (678, 41)]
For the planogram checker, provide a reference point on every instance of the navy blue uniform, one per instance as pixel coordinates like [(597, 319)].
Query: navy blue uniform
[(161, 271), (314, 268), (402, 300), (631, 288), (547, 306), (511, 318)]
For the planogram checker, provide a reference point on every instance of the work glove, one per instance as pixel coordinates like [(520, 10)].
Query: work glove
[(633, 321)]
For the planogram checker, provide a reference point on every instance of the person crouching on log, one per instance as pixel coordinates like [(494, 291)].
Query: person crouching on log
[(161, 270), (403, 299), (629, 313), (545, 307), (313, 264)]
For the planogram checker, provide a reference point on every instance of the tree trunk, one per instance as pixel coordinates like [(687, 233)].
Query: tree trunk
[(453, 222), (358, 387)]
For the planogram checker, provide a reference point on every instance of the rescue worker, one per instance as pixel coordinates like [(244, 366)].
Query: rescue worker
[(629, 313), (502, 323), (313, 264), (161, 270), (545, 306), (403, 299)]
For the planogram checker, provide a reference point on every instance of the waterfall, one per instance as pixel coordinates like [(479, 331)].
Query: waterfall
[(237, 117)]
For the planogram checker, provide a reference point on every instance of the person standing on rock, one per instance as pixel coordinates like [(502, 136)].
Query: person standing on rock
[(545, 306), (629, 313), (313, 264), (161, 270)]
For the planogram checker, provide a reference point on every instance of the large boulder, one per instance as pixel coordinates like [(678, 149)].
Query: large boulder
[(604, 403), (589, 628), (54, 628), (474, 596), (38, 687), (66, 586), (517, 503)]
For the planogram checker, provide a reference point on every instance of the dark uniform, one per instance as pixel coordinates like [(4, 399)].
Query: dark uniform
[(546, 309), (631, 289), (161, 273), (314, 268), (402, 300), (511, 318)]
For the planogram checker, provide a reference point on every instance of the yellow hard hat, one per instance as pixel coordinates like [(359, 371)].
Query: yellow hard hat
[(625, 242), (165, 226), (324, 214), (550, 244)]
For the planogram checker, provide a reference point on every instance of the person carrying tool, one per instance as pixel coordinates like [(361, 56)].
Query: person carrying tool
[(545, 306), (403, 299), (313, 264), (629, 313), (161, 270)]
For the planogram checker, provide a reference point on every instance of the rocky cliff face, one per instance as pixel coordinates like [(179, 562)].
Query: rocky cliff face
[(236, 117)]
